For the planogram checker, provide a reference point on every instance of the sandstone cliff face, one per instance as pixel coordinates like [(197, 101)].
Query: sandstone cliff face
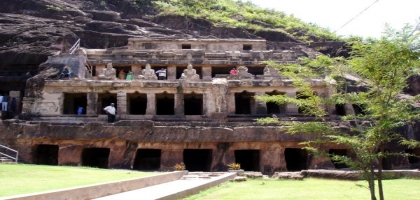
[(31, 30)]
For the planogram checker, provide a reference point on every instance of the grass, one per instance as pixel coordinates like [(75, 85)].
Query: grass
[(19, 179), (309, 189)]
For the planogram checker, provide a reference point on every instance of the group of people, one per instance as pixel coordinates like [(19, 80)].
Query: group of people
[(7, 103), (123, 76)]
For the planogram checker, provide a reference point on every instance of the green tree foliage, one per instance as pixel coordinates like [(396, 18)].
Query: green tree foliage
[(230, 13), (382, 67)]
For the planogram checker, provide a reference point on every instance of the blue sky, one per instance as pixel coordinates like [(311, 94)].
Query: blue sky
[(333, 14)]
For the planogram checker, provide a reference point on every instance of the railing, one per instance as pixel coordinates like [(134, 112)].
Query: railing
[(75, 47), (5, 151), (89, 68)]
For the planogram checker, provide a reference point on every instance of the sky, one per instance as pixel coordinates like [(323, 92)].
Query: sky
[(333, 14)]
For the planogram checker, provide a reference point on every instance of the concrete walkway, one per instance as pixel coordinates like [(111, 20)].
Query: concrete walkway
[(188, 185)]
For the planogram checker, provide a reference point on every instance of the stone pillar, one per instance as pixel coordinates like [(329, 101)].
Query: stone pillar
[(151, 104), (349, 109), (121, 104), (92, 104), (171, 157), (230, 101), (179, 104), (222, 156), (99, 69), (171, 72), (272, 159), (260, 106), (206, 97), (291, 108), (70, 155), (206, 69)]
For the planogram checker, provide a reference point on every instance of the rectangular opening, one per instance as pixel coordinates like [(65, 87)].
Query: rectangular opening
[(105, 99), (249, 159), (243, 102), (137, 103), (122, 71), (338, 152), (165, 104), (95, 157), (186, 46), (247, 47), (147, 159), (72, 103), (161, 72), (197, 159), (274, 108), (193, 104), (296, 159), (216, 72), (46, 154)]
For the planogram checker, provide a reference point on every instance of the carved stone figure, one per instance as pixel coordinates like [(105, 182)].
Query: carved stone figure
[(243, 72), (190, 73), (219, 92), (148, 73), (108, 73)]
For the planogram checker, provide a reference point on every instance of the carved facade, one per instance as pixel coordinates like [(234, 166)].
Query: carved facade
[(199, 114)]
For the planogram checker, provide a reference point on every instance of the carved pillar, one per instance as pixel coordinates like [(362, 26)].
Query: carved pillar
[(171, 157), (349, 109), (121, 103), (206, 73), (206, 98), (291, 108), (151, 104), (272, 159), (70, 155), (92, 104), (179, 104), (260, 106), (230, 101), (171, 72)]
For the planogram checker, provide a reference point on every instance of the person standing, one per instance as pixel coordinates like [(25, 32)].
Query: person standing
[(13, 106), (4, 102), (161, 74), (1, 100), (80, 110), (110, 111)]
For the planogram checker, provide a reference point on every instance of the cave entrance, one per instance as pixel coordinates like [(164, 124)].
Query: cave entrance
[(274, 108), (197, 159), (147, 159), (137, 103), (296, 159), (180, 70), (340, 109), (193, 104), (243, 102), (105, 99), (165, 104), (95, 157), (249, 159), (414, 158), (46, 154), (219, 72), (72, 101), (338, 152)]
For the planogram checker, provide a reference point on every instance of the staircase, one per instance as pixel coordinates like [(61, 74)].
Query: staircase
[(8, 155)]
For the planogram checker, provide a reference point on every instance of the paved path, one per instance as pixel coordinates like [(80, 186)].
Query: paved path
[(172, 190)]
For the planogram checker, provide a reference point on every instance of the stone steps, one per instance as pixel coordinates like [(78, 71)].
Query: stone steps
[(6, 160)]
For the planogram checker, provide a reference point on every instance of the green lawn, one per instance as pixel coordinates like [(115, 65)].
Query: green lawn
[(309, 189), (23, 179)]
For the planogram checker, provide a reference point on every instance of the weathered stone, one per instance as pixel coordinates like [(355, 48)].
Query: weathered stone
[(288, 175)]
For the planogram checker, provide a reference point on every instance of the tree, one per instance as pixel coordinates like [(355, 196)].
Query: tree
[(381, 67)]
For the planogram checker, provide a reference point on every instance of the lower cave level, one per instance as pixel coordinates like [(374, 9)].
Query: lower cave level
[(266, 157)]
